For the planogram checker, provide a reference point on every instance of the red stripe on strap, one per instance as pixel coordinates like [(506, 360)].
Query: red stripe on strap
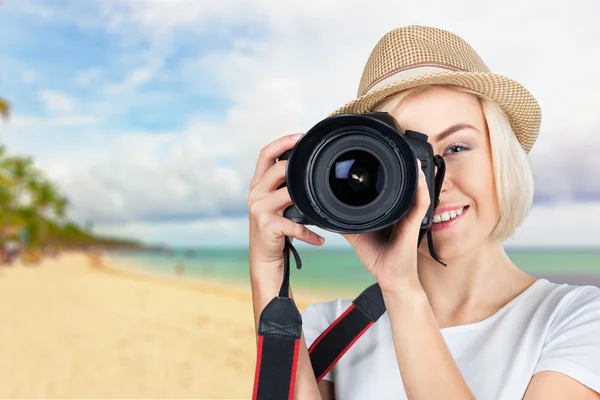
[(257, 370), (294, 369), (344, 351), (322, 335)]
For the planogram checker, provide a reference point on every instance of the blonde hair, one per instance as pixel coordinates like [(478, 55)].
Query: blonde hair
[(513, 176)]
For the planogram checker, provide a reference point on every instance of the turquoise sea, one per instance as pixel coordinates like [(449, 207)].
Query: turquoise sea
[(339, 268)]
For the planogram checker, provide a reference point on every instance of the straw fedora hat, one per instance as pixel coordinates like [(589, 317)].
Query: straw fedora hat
[(413, 56)]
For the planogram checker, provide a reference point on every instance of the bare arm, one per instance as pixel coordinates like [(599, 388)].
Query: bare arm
[(267, 201), (552, 385), (427, 367), (306, 385)]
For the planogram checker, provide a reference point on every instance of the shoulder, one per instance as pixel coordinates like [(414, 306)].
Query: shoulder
[(572, 341), (571, 301), (317, 317), (583, 297), (319, 314)]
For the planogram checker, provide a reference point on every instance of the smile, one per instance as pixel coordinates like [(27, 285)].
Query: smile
[(448, 218)]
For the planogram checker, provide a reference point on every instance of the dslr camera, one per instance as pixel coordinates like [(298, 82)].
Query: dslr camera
[(354, 173)]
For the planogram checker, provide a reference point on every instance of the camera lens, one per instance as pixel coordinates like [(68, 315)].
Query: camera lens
[(356, 178), (352, 173)]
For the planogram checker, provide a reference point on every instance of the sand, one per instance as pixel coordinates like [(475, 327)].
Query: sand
[(75, 327)]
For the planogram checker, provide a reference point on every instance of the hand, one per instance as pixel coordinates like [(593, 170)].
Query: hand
[(390, 255), (266, 204)]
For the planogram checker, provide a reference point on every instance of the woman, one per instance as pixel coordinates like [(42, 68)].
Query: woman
[(480, 327)]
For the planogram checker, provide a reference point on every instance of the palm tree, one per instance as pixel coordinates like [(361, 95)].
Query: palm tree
[(43, 195), (19, 172), (59, 208), (4, 108), (15, 175)]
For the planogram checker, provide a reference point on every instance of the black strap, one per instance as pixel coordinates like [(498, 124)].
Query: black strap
[(285, 285), (439, 177), (439, 180), (336, 340), (279, 333)]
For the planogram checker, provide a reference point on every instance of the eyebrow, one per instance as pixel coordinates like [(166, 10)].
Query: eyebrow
[(452, 129)]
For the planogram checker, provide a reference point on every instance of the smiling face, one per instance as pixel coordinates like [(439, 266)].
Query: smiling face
[(468, 209)]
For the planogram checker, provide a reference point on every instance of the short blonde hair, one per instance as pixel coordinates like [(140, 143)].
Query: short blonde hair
[(513, 176)]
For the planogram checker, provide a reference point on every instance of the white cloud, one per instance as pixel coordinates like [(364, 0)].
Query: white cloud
[(57, 102), (299, 61), (134, 79), (548, 226), (163, 176), (88, 76), (31, 123)]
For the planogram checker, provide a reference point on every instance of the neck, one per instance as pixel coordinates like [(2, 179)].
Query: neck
[(472, 285)]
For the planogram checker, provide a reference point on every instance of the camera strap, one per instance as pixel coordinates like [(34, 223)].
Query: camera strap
[(279, 333), (280, 326)]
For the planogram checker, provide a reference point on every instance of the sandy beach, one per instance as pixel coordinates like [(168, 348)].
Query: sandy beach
[(75, 327)]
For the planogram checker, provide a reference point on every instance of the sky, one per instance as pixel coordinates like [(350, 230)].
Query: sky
[(149, 115)]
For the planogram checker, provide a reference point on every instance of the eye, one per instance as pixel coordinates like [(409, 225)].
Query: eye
[(455, 148)]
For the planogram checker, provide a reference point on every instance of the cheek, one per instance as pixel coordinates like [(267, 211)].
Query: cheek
[(483, 192), (476, 180)]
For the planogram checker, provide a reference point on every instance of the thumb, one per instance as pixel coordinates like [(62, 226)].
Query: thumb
[(411, 223), (352, 238)]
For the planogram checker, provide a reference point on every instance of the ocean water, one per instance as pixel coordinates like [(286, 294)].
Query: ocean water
[(339, 268)]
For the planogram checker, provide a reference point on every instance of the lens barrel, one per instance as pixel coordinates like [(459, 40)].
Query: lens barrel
[(353, 173)]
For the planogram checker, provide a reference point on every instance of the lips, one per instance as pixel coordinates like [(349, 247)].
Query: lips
[(446, 217), (447, 213)]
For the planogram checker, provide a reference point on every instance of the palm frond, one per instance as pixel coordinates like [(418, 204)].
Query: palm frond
[(4, 108)]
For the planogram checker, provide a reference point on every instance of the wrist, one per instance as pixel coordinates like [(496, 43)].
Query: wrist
[(265, 272), (404, 291), (400, 285)]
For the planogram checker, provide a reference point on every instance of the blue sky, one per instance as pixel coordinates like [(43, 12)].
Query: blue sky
[(150, 114)]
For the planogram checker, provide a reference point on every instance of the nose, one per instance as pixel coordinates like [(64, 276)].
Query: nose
[(447, 184)]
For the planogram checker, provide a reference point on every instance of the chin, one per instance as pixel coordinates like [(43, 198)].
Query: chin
[(446, 247)]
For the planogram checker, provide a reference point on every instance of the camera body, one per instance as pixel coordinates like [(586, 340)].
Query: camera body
[(354, 173)]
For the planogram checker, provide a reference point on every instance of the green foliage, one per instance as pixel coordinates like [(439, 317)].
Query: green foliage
[(31, 203), (32, 207)]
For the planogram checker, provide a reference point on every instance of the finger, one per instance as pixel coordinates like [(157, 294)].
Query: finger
[(352, 238), (411, 223), (286, 227), (270, 153), (423, 198), (271, 180), (275, 202), (300, 232), (368, 238)]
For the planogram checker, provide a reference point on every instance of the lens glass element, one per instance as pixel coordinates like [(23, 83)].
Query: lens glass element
[(356, 178)]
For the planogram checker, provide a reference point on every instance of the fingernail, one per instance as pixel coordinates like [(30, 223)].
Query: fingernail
[(321, 240), (297, 136)]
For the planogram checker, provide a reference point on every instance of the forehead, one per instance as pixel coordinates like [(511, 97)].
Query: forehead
[(435, 109)]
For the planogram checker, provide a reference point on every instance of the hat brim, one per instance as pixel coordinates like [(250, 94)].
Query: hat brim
[(521, 108)]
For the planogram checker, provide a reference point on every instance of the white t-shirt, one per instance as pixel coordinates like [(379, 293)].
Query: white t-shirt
[(549, 326)]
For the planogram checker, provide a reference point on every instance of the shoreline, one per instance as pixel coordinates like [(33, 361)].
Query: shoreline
[(132, 269)]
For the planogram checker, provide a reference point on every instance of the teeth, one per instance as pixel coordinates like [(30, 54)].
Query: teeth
[(447, 215)]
